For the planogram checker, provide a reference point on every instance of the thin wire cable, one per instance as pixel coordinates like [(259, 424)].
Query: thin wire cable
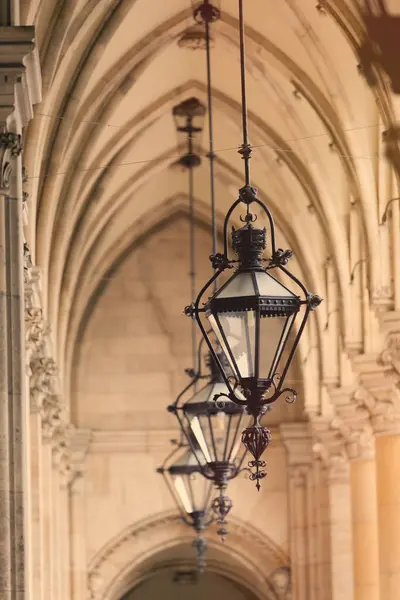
[(37, 114), (211, 155), (246, 149), (216, 152)]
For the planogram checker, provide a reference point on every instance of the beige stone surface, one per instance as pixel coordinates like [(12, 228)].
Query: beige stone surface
[(94, 279)]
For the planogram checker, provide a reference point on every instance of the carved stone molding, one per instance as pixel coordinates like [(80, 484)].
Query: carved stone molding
[(43, 380), (391, 355), (10, 148), (12, 142), (330, 448), (194, 38), (36, 330), (352, 423), (379, 391), (109, 569), (384, 410)]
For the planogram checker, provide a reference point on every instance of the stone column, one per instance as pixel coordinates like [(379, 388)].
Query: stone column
[(353, 425), (297, 440), (365, 529), (330, 449), (388, 465), (16, 43), (79, 446), (380, 395)]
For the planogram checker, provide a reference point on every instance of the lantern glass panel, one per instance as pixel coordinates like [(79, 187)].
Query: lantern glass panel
[(192, 488), (269, 286), (242, 284), (239, 330), (216, 432), (274, 332), (183, 493)]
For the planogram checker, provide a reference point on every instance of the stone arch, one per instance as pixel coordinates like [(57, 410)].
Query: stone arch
[(248, 557)]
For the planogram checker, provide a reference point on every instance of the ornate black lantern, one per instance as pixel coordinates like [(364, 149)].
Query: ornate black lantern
[(213, 430), (189, 118), (253, 315), (192, 494)]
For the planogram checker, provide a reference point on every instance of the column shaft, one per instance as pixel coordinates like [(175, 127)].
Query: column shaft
[(388, 480), (365, 530), (341, 536)]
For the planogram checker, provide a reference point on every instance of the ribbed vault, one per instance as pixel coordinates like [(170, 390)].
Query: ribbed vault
[(100, 152)]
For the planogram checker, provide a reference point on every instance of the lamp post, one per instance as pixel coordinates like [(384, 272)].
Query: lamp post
[(253, 315), (192, 494)]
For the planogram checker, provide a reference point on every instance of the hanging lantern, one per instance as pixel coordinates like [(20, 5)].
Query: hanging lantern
[(213, 431), (192, 494), (257, 320)]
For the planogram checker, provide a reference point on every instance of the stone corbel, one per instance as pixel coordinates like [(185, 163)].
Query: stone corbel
[(330, 448), (390, 356), (378, 393), (43, 382), (384, 410), (352, 423)]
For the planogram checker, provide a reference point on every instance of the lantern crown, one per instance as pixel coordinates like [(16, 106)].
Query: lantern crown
[(249, 243)]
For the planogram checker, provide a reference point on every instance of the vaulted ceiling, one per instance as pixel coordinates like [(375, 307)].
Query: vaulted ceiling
[(100, 150)]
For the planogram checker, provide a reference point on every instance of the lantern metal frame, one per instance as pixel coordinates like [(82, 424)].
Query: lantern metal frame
[(200, 519), (220, 469), (258, 392)]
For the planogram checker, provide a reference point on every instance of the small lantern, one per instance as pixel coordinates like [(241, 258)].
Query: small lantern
[(189, 121), (213, 430), (192, 494)]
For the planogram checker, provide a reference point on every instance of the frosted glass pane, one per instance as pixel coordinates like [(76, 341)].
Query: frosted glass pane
[(241, 285), (183, 493), (240, 329), (221, 341), (198, 486), (284, 336), (199, 435), (269, 286), (271, 329)]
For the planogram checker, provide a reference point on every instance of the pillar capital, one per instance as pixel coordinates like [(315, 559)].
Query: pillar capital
[(379, 393), (329, 446), (390, 357), (352, 423)]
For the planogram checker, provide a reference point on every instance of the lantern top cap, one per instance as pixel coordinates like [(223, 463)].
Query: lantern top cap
[(190, 108), (249, 243)]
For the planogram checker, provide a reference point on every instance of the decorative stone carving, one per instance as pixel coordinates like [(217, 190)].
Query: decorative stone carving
[(12, 142), (43, 380), (27, 263), (391, 355), (329, 447), (194, 38), (384, 409), (5, 173), (36, 330), (129, 546), (94, 585), (352, 423)]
